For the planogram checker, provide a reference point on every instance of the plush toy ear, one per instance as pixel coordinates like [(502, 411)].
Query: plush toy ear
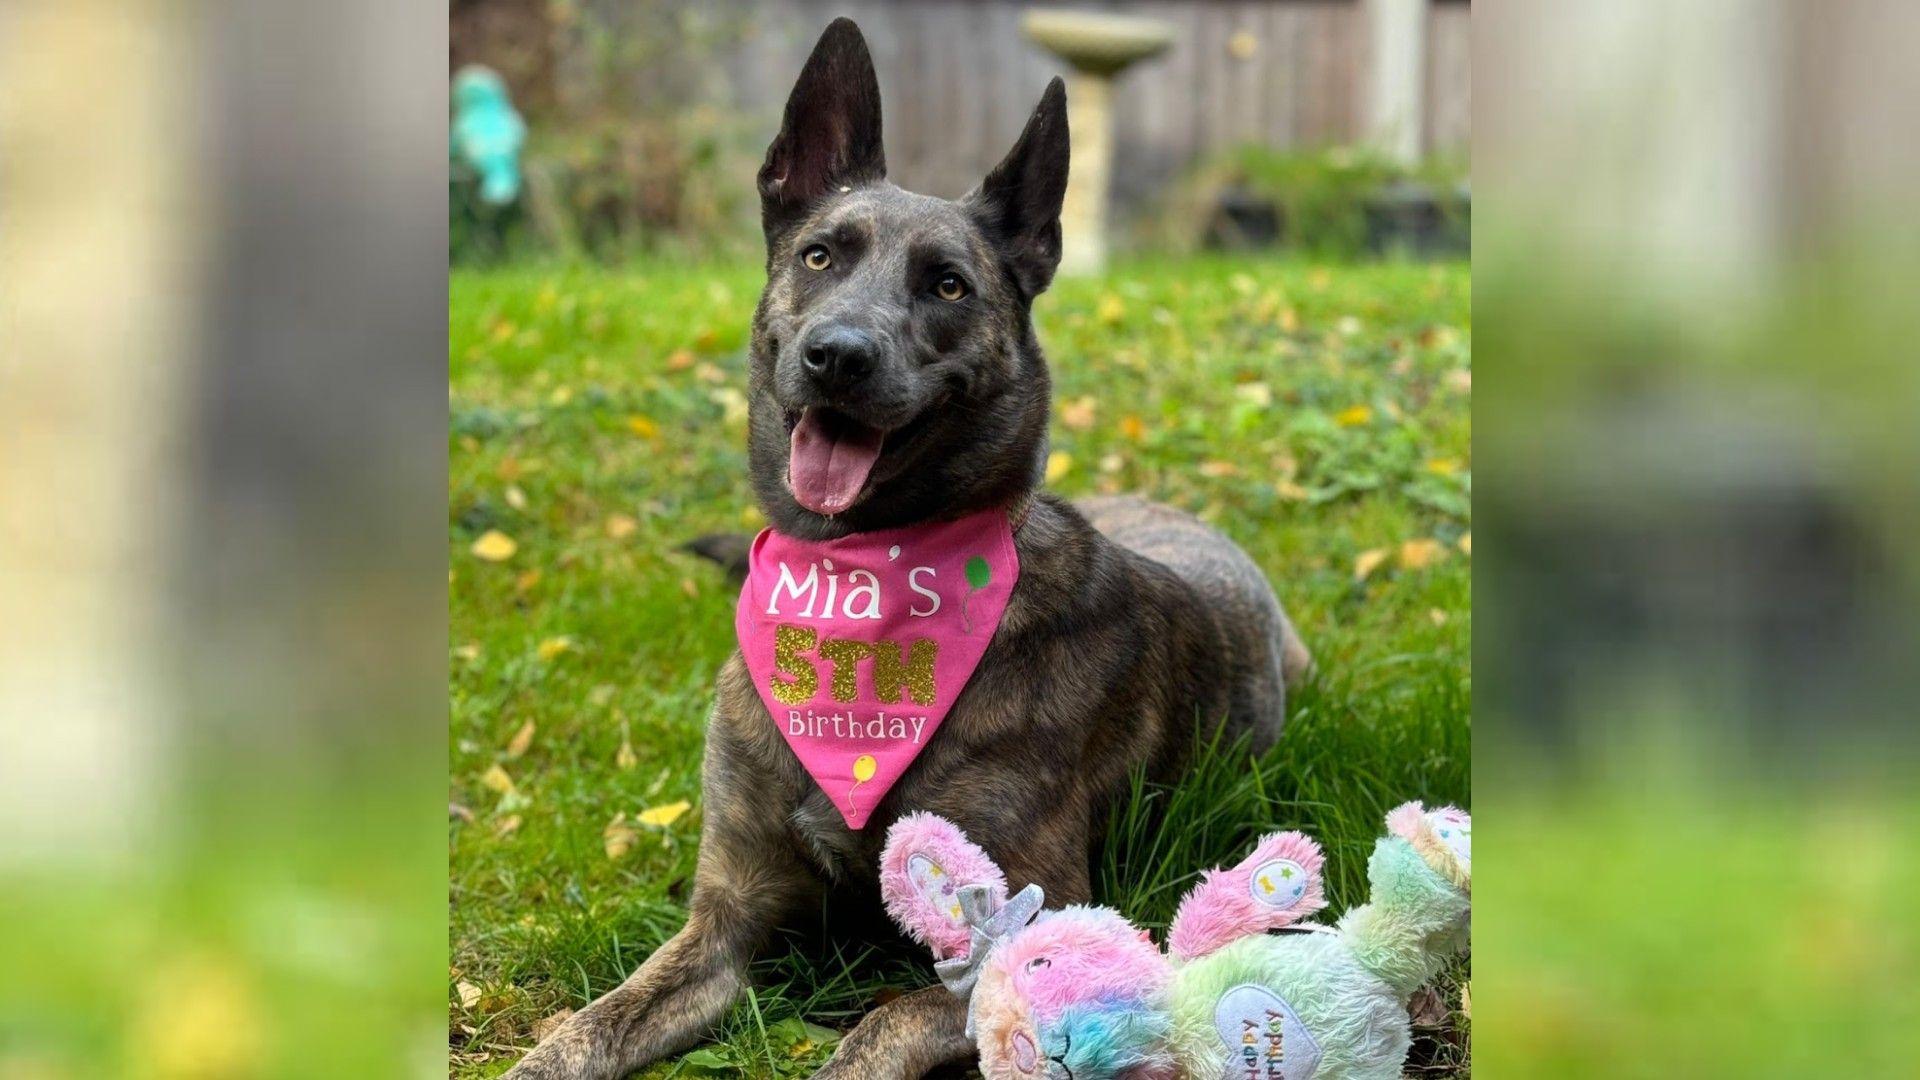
[(1276, 885), (1443, 837), (926, 862)]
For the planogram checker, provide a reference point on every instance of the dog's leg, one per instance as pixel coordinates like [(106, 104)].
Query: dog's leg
[(747, 880), (911, 1034)]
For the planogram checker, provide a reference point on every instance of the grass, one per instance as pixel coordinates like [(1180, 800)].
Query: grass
[(1317, 414)]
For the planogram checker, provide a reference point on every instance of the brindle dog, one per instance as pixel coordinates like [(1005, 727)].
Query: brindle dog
[(902, 322)]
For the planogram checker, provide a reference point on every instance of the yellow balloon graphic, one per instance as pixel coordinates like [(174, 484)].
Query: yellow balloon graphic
[(863, 769)]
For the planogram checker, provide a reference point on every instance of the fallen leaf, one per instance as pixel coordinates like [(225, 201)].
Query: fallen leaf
[(643, 426), (1348, 326), (707, 340), (1059, 463), (1353, 416), (680, 360), (709, 373), (1465, 543), (1255, 393), (455, 810), (1427, 1008), (1078, 414), (1133, 427), (1420, 554), (1112, 309), (690, 587), (1437, 617), (1368, 561), (1460, 380), (621, 526), (663, 815), (468, 652), (494, 546), (1443, 466), (527, 580), (547, 1025), (618, 837), (1112, 463), (560, 396), (521, 740), (553, 647), (469, 994), (1290, 491), (1466, 1000), (1218, 469), (1289, 320), (506, 825), (497, 779), (625, 758), (515, 497)]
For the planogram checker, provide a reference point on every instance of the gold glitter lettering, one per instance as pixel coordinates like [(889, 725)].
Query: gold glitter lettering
[(788, 643), (846, 655), (916, 673)]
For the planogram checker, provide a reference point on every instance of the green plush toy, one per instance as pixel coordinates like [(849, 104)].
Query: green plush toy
[(1081, 994)]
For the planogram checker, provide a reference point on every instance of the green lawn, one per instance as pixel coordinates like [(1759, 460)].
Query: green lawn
[(1317, 415)]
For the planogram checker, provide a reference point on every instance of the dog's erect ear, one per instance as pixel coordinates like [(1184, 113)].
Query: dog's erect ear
[(1018, 204), (926, 862), (830, 137)]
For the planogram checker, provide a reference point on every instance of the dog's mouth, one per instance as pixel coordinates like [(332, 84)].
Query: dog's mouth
[(831, 458)]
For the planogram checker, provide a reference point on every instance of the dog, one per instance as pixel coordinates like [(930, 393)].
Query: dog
[(903, 322)]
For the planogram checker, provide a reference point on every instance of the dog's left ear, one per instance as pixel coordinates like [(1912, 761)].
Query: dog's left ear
[(830, 137), (1018, 204)]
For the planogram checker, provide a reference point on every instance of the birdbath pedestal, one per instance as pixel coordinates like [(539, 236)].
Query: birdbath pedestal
[(1098, 47)]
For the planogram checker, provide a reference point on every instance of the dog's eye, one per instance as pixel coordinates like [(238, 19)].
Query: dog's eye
[(950, 288), (816, 258)]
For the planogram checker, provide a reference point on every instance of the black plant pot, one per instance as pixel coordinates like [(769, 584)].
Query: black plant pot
[(1408, 217)]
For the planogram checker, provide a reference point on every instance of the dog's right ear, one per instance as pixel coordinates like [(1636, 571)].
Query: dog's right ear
[(830, 138), (926, 862)]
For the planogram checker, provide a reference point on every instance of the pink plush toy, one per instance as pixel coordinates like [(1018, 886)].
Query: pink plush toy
[(1079, 993)]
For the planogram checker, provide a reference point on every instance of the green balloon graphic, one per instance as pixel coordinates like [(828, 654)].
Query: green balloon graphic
[(978, 572), (978, 575)]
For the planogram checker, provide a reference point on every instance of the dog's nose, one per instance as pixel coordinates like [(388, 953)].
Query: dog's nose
[(839, 355)]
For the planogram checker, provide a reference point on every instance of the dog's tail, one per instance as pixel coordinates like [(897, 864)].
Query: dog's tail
[(728, 550)]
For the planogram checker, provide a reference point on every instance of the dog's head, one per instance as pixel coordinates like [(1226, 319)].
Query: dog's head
[(895, 376)]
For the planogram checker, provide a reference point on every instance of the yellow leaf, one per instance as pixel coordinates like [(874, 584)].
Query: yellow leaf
[(1112, 463), (1059, 463), (553, 647), (1112, 309), (469, 994), (689, 587), (1466, 543), (506, 825), (643, 426), (522, 739), (494, 546), (1290, 491), (1443, 466), (1078, 414), (620, 526), (1460, 380), (618, 837), (1368, 562), (680, 360), (515, 497), (708, 373), (468, 652), (496, 778), (1289, 320), (1420, 554), (1133, 427), (560, 396), (625, 758), (750, 516), (1255, 393), (1217, 469), (527, 580), (1354, 416), (1437, 616), (665, 814)]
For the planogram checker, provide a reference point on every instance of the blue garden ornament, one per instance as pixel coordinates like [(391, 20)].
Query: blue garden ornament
[(487, 132)]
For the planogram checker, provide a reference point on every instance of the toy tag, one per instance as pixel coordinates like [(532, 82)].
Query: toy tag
[(859, 646), (1263, 1037), (1455, 830)]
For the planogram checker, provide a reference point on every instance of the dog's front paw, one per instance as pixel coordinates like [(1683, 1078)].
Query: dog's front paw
[(563, 1056)]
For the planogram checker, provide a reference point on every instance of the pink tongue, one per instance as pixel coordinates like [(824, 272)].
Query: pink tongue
[(829, 463)]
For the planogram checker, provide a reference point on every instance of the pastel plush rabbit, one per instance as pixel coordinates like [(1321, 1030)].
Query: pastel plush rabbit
[(1079, 993)]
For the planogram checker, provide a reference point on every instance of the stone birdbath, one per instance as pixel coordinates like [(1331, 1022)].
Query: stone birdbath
[(1098, 47)]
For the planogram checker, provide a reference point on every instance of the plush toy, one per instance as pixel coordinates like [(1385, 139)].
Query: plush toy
[(1079, 993)]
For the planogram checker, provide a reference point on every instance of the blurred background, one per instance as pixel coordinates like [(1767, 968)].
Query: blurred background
[(1256, 122)]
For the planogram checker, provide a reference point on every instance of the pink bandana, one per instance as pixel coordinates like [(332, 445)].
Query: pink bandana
[(860, 645)]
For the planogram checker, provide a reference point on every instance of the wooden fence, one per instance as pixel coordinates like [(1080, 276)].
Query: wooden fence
[(958, 79)]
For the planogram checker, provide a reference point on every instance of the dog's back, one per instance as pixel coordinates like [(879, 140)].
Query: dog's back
[(1264, 653)]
